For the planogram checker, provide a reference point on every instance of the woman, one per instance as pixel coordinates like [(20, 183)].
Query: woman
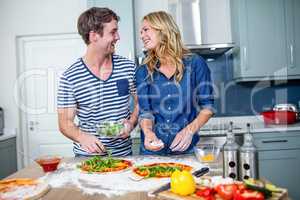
[(172, 86)]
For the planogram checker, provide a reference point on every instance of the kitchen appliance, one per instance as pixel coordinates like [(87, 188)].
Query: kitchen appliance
[(285, 107), (248, 167), (1, 121), (201, 30), (230, 155), (281, 114), (279, 117)]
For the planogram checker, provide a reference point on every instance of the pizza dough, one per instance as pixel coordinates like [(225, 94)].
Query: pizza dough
[(22, 188)]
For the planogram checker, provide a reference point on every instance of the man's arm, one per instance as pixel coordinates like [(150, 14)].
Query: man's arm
[(67, 127), (132, 121), (134, 115)]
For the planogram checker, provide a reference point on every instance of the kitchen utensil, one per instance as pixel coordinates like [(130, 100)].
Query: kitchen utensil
[(109, 128), (207, 152), (279, 117), (285, 107), (248, 167), (230, 155), (49, 163), (167, 186)]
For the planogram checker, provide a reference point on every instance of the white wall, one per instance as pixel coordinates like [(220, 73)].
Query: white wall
[(29, 17)]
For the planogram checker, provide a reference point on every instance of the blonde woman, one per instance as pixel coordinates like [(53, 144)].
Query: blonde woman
[(174, 89)]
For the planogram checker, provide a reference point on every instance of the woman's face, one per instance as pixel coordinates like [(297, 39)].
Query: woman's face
[(149, 36)]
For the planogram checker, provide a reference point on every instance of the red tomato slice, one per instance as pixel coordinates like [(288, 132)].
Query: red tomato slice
[(204, 192), (248, 195), (226, 191)]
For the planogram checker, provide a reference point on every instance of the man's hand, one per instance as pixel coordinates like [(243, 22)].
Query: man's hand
[(128, 127), (91, 143), (152, 143), (182, 140)]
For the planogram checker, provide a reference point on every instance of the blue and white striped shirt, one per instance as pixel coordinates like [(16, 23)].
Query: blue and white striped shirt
[(96, 100)]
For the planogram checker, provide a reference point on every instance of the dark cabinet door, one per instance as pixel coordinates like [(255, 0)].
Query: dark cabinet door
[(281, 167), (8, 157)]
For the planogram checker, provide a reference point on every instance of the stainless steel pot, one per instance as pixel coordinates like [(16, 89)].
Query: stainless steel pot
[(287, 107)]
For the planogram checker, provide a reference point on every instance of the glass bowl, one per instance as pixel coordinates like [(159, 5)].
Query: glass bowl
[(109, 128), (49, 163), (207, 153)]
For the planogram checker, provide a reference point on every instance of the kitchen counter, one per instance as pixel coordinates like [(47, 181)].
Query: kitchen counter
[(219, 126), (71, 192)]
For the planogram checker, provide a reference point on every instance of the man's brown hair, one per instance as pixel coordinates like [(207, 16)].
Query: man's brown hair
[(93, 19)]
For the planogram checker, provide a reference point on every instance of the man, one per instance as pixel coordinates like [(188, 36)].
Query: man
[(97, 88)]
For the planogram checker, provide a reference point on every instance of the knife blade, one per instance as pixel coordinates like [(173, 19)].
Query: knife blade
[(197, 173)]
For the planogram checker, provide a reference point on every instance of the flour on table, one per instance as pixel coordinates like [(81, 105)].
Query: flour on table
[(116, 183)]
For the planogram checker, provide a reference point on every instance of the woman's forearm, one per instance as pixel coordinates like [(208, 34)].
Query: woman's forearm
[(203, 116)]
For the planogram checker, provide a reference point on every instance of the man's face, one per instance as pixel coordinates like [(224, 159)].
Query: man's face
[(110, 36)]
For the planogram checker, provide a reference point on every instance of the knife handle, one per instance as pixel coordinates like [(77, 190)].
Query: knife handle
[(200, 172)]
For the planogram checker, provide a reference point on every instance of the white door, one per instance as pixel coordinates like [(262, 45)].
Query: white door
[(42, 59)]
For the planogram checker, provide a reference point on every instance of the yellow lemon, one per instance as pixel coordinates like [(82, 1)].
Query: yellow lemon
[(182, 183)]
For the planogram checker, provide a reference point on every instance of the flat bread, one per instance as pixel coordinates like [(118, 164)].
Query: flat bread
[(22, 188), (160, 170), (101, 165)]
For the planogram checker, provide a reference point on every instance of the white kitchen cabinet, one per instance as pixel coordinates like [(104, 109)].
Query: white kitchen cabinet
[(124, 9)]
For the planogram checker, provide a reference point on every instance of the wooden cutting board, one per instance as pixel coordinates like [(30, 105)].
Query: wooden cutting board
[(168, 195)]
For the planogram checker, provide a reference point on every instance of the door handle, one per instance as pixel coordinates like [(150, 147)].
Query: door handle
[(292, 56), (32, 125), (274, 141), (244, 57)]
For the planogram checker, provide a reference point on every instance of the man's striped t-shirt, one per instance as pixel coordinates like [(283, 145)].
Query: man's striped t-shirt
[(97, 100)]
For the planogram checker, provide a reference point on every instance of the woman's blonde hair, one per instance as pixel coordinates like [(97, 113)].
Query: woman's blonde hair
[(170, 43)]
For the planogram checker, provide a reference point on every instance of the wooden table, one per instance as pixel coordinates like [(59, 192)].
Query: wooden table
[(69, 192)]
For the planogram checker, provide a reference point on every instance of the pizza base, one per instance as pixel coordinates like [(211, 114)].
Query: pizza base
[(144, 174), (110, 170), (29, 189)]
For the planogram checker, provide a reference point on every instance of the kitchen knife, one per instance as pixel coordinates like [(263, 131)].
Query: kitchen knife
[(167, 186)]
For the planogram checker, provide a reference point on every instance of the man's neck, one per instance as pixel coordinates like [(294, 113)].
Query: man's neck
[(99, 63), (98, 60)]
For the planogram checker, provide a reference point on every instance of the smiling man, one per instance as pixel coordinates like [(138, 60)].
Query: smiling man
[(97, 88)]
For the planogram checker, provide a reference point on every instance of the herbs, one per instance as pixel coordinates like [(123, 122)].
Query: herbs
[(109, 128), (156, 169), (99, 164)]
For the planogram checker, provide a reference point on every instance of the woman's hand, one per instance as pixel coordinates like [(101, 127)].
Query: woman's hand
[(182, 140), (152, 143)]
